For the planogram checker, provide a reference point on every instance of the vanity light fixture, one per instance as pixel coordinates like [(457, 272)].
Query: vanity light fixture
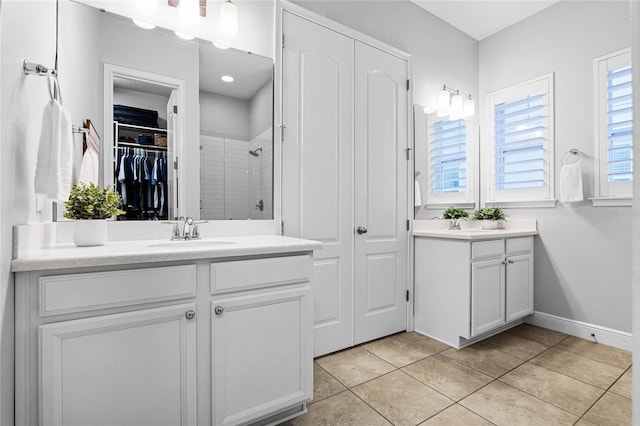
[(145, 9), (221, 44), (455, 104), (184, 36), (228, 19), (144, 25), (227, 79)]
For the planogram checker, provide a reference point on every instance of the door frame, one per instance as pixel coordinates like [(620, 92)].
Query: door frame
[(112, 71), (281, 7)]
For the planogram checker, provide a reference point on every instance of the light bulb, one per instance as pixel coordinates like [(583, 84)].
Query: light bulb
[(457, 105), (142, 24), (228, 19), (188, 12), (443, 102), (469, 107)]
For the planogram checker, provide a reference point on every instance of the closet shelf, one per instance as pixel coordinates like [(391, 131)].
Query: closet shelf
[(136, 127), (138, 145)]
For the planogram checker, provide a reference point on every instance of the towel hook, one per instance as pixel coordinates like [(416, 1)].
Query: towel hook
[(572, 151)]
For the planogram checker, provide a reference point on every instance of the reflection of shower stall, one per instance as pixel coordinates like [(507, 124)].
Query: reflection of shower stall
[(235, 178)]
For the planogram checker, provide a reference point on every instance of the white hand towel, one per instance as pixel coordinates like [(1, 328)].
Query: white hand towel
[(571, 183), (90, 167), (417, 195), (54, 167)]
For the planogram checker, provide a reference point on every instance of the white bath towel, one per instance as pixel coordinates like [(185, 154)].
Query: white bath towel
[(571, 183), (417, 195), (90, 165), (54, 167)]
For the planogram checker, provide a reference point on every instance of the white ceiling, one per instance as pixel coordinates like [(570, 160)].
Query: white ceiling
[(482, 18)]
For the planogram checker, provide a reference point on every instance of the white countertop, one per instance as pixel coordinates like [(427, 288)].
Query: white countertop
[(67, 255), (472, 231)]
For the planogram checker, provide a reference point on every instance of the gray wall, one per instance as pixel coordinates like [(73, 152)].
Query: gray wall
[(261, 110), (224, 115), (582, 257)]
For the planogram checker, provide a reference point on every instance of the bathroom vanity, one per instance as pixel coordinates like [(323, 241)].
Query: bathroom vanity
[(152, 332), (471, 284)]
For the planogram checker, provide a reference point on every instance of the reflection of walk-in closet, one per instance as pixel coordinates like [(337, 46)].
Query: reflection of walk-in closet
[(140, 149)]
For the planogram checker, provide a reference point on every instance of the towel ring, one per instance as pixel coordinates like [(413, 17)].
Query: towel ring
[(574, 152)]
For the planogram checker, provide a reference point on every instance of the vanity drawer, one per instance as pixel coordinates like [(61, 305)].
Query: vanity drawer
[(483, 249), (258, 273), (62, 294), (519, 245)]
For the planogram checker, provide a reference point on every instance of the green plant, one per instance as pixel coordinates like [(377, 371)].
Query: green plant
[(454, 213), (92, 202), (489, 213)]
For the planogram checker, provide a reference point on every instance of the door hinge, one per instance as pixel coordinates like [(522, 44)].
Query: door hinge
[(282, 227), (283, 40), (407, 84), (409, 153), (408, 224), (175, 109), (175, 164), (407, 295), (282, 127)]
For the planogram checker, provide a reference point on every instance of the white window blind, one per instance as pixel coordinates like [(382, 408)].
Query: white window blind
[(450, 169), (449, 156), (521, 142), (614, 121)]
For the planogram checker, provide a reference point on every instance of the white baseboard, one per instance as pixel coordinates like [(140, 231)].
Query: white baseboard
[(604, 335)]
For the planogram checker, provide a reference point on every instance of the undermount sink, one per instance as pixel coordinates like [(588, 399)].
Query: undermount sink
[(191, 243)]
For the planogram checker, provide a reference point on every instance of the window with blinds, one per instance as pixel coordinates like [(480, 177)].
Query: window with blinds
[(448, 156), (614, 122), (521, 142)]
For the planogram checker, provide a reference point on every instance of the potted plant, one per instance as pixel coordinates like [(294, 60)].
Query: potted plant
[(489, 217), (90, 206), (454, 216)]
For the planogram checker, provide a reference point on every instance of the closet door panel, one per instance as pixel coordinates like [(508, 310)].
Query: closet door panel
[(317, 167), (380, 257)]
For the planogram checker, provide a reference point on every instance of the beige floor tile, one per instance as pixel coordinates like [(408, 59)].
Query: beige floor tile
[(401, 350), (425, 342), (324, 384), (538, 334), (489, 361), (610, 410), (343, 409), (562, 391), (456, 415), (505, 405), (402, 399), (623, 386), (447, 376), (354, 366), (589, 371), (596, 351), (518, 347)]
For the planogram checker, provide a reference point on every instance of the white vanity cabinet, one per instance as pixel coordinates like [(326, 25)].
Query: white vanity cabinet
[(467, 290), (223, 341)]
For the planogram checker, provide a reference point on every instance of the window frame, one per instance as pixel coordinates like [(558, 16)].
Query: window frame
[(457, 199), (607, 194), (522, 197)]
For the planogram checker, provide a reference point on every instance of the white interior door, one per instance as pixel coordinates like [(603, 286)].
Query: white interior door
[(380, 193), (172, 132), (317, 168)]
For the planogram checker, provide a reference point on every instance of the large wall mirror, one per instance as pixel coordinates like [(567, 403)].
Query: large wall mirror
[(186, 127)]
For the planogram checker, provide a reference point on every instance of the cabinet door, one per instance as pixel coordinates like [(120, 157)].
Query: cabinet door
[(519, 286), (124, 369), (262, 354), (380, 193), (317, 167), (487, 295)]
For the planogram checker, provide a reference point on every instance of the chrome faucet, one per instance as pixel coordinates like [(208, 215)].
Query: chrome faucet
[(189, 229)]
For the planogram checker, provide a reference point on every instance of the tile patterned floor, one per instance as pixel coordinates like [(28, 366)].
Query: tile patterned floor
[(525, 376)]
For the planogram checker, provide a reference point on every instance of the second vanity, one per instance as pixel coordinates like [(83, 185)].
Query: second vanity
[(152, 332), (471, 284)]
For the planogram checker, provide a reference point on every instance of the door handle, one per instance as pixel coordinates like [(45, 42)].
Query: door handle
[(362, 230)]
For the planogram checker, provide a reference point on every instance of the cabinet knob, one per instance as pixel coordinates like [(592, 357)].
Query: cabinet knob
[(219, 310), (510, 261), (362, 230), (191, 314)]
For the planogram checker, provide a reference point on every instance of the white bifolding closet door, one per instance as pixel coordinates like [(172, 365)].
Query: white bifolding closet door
[(380, 192), (317, 168), (344, 166)]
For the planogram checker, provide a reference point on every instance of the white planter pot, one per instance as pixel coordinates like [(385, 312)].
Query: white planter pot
[(489, 224), (90, 232)]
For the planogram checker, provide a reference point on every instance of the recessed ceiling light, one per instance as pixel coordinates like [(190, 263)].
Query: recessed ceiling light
[(184, 36), (227, 79), (145, 25)]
